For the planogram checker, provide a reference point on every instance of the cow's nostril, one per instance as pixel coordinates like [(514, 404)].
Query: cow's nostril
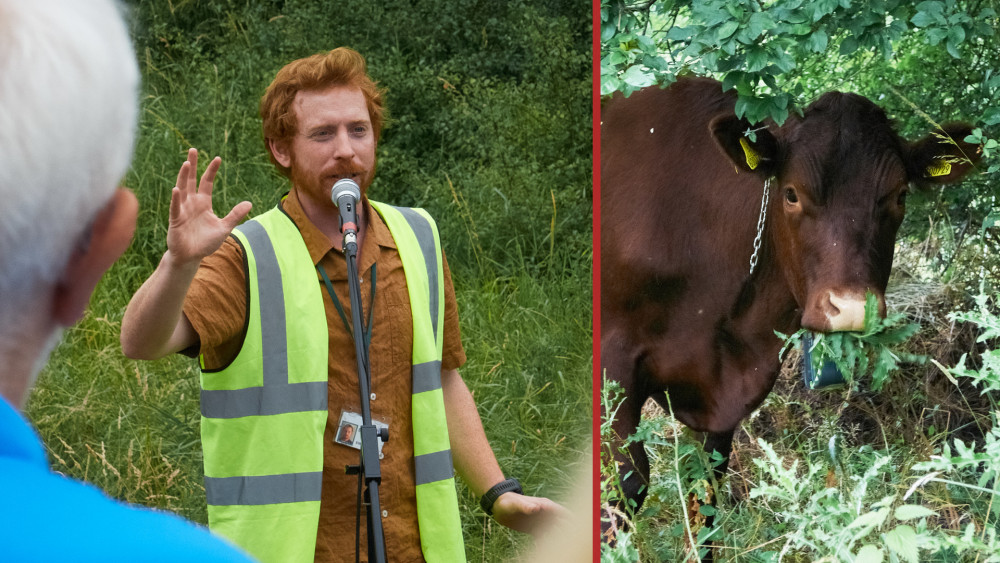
[(848, 313)]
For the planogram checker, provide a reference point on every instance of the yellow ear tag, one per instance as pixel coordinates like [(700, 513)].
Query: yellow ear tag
[(753, 159), (940, 168)]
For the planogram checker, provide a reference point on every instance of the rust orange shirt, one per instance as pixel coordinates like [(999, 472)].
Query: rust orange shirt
[(216, 307)]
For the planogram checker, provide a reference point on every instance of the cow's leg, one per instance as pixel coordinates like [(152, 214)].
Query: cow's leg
[(631, 462), (721, 442)]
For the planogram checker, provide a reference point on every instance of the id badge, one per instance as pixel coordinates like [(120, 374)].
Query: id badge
[(349, 430)]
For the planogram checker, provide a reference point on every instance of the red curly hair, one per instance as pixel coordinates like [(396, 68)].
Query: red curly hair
[(342, 66)]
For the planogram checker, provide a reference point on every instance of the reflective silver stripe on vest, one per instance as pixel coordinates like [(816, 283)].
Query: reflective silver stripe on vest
[(263, 401), (425, 237), (263, 489), (426, 377), (276, 396), (437, 466), (433, 467)]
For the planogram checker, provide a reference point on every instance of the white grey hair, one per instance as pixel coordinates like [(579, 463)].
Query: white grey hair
[(68, 108)]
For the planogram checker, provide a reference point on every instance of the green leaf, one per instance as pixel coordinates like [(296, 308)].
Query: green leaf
[(656, 63), (609, 84), (759, 23), (935, 6), (849, 45), (731, 80), (741, 106), (936, 35), (952, 49), (903, 542), (710, 60), (869, 554), (678, 33), (912, 511), (608, 30), (922, 19), (637, 77), (647, 45), (869, 520), (871, 320), (817, 41), (727, 29), (956, 34), (757, 59)]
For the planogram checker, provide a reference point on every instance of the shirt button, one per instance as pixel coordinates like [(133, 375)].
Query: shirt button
[(372, 396), (385, 514)]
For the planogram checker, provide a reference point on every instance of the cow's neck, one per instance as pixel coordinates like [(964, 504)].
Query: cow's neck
[(765, 295)]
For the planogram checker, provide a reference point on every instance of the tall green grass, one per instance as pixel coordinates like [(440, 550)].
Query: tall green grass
[(490, 133)]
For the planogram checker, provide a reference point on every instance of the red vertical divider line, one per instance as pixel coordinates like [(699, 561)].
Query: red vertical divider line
[(596, 271)]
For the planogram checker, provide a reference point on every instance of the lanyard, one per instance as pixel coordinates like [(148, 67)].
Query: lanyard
[(367, 330)]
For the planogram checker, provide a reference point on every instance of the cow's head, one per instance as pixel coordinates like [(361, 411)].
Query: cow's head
[(840, 179)]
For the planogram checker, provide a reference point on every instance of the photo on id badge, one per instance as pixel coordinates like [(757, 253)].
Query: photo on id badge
[(349, 430)]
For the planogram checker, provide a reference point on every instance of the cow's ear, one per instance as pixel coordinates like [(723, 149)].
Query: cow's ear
[(943, 157), (758, 155)]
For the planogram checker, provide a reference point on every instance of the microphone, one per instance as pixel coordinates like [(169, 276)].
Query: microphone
[(345, 196)]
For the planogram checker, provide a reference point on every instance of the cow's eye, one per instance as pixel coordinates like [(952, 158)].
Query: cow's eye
[(901, 199), (791, 196)]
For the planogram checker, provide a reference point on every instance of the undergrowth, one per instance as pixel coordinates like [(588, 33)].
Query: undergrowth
[(905, 474)]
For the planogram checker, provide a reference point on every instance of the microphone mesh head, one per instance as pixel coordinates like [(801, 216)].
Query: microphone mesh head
[(345, 187)]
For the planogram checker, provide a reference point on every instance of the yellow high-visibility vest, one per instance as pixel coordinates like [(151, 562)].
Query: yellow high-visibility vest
[(264, 414)]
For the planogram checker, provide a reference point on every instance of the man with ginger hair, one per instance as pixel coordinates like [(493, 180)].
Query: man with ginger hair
[(265, 306)]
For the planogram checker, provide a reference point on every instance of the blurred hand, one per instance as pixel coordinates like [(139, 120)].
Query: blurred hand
[(194, 231), (531, 515)]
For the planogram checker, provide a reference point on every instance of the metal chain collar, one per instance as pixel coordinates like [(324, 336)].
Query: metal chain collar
[(760, 224)]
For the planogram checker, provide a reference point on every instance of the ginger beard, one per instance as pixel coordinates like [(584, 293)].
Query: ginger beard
[(320, 186)]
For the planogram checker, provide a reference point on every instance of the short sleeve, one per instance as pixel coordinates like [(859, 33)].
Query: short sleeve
[(216, 305), (453, 354)]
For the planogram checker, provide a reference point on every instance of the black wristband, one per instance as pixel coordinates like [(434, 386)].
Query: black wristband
[(491, 496)]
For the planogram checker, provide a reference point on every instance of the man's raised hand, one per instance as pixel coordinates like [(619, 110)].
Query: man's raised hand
[(194, 230)]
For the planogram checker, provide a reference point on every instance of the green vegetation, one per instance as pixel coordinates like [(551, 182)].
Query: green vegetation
[(908, 473), (490, 132), (872, 352), (900, 465)]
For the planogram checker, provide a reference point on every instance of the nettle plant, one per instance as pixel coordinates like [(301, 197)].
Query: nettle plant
[(689, 478), (883, 510), (876, 350), (623, 549), (851, 522)]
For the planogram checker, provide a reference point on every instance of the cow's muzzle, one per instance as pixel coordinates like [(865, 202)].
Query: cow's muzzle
[(838, 311)]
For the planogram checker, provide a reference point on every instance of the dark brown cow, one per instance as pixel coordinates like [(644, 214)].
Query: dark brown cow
[(681, 314)]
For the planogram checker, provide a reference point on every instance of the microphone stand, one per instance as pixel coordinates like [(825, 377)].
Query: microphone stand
[(370, 467)]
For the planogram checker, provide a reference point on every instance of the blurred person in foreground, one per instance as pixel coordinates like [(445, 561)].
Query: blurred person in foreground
[(265, 306), (68, 102)]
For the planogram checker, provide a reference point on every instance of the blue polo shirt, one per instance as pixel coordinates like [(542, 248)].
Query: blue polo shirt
[(47, 517)]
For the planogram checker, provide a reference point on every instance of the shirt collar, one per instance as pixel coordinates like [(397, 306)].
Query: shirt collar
[(17, 439), (376, 232)]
